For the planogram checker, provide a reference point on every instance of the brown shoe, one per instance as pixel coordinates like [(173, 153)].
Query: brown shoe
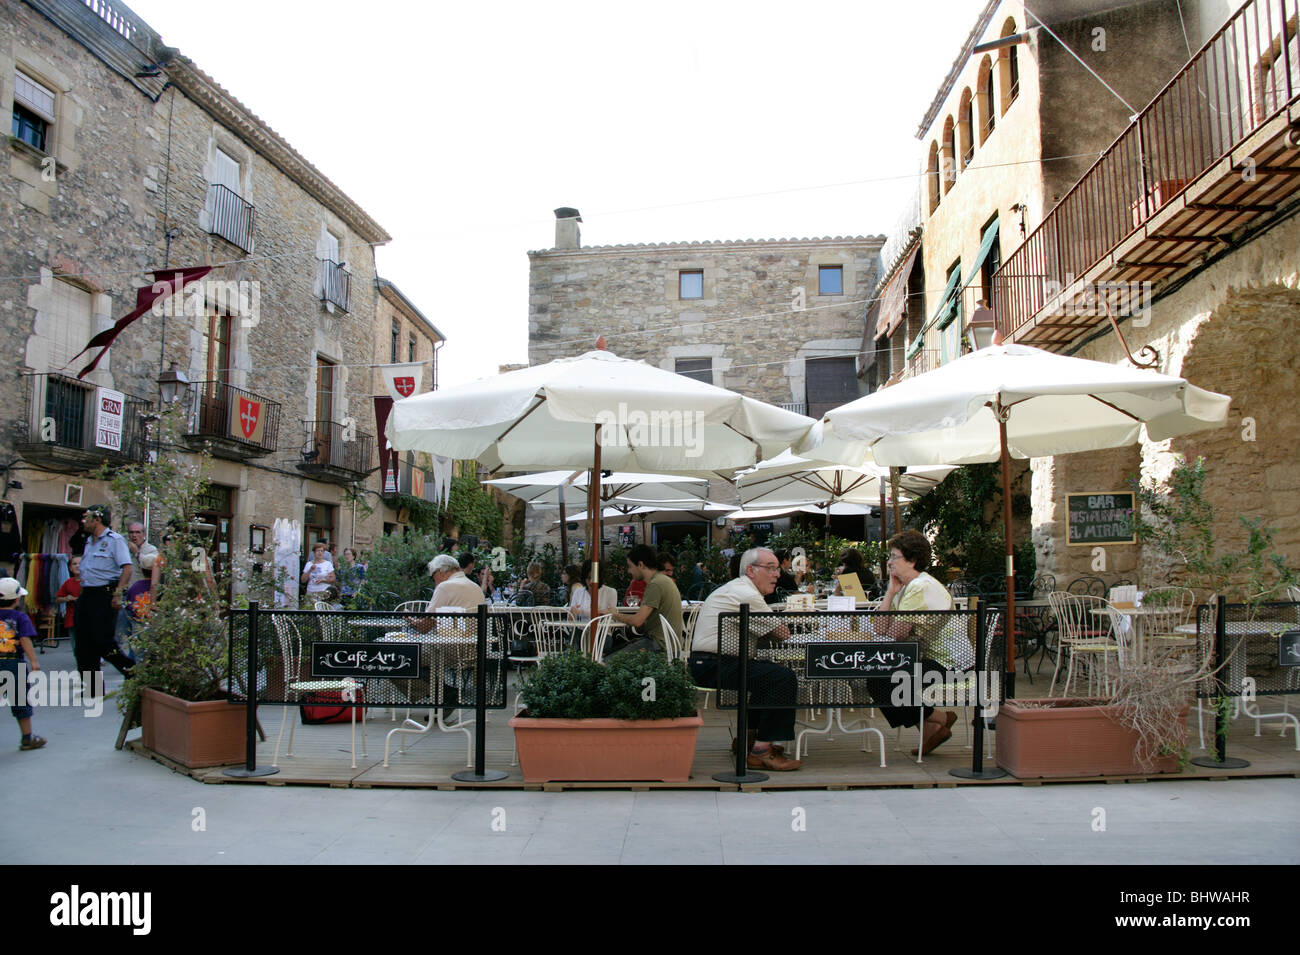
[(776, 747), (935, 739), (773, 761)]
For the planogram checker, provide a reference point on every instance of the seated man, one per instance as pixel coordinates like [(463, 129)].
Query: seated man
[(660, 601), (769, 683), (453, 589)]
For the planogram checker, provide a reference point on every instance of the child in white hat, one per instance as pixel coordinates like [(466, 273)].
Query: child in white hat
[(16, 635)]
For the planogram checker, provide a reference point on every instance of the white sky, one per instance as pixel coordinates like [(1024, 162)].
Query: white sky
[(459, 127)]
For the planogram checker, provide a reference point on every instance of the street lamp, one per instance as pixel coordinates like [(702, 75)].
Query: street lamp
[(171, 383), (983, 327)]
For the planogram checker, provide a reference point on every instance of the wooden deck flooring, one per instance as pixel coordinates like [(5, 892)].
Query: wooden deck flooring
[(321, 758)]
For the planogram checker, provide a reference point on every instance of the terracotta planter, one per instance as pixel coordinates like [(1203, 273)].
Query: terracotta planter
[(606, 749), (1071, 738), (193, 734)]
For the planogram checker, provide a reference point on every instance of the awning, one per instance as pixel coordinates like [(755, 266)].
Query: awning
[(893, 302), (986, 244), (947, 302)]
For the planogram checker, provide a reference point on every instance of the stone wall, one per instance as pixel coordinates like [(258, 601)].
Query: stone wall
[(1229, 329), (102, 222)]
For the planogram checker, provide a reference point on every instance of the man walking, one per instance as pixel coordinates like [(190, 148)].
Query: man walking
[(105, 569)]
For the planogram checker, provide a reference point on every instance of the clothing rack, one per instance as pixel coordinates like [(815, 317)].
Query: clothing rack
[(41, 575)]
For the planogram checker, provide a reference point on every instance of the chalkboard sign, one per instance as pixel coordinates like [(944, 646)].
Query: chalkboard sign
[(841, 660), (1288, 648), (1101, 517), (392, 661)]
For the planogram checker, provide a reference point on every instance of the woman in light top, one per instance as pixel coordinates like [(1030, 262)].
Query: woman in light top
[(580, 601), (571, 578)]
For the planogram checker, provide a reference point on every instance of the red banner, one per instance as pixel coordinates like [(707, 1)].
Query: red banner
[(387, 456)]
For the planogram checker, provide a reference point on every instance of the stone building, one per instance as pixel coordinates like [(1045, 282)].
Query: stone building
[(404, 334), (774, 319), (127, 158), (1184, 226)]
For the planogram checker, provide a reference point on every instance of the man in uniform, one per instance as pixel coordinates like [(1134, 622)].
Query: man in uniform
[(105, 569)]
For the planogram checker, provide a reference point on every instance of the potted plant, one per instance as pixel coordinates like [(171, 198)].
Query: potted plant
[(632, 719), (179, 682)]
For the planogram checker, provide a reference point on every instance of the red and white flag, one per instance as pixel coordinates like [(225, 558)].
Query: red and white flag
[(403, 380)]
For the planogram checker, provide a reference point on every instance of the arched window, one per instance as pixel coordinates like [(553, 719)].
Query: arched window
[(984, 94), (1008, 68), (966, 128), (932, 177), (948, 157)]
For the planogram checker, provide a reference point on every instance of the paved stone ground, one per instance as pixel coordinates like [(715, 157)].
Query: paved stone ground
[(79, 801)]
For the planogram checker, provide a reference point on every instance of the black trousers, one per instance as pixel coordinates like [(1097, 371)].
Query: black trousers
[(96, 635), (771, 686), (882, 689)]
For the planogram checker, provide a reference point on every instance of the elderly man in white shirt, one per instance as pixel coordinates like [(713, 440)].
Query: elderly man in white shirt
[(769, 683), (452, 590)]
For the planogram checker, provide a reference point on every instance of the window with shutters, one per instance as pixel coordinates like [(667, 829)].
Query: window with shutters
[(829, 383), (33, 112), (701, 369), (229, 215)]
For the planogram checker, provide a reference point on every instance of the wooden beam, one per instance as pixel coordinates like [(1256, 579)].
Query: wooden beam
[(1231, 207), (1130, 264)]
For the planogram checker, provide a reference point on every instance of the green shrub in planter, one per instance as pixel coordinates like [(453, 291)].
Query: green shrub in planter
[(632, 686)]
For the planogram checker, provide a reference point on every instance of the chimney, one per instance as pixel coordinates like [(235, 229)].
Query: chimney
[(567, 233)]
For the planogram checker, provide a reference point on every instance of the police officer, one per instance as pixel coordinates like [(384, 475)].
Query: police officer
[(105, 568)]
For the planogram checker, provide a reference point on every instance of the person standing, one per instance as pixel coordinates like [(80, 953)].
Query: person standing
[(16, 635), (67, 596), (319, 573), (660, 601), (105, 569)]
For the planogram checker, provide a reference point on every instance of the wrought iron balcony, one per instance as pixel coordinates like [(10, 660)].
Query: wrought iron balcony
[(75, 426), (927, 359), (336, 283), (1210, 156), (336, 453), (231, 217), (231, 422), (796, 406)]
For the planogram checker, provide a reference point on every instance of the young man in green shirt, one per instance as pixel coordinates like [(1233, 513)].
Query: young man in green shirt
[(661, 601)]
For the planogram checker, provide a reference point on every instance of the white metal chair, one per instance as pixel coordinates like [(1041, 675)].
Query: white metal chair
[(1166, 609), (406, 606), (1086, 630), (691, 616), (291, 653)]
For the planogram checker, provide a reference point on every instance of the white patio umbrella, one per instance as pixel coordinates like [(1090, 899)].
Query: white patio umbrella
[(781, 510), (1012, 400), (571, 487), (595, 411), (790, 478)]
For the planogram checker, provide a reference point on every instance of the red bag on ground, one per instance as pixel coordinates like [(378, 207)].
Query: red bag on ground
[(326, 706)]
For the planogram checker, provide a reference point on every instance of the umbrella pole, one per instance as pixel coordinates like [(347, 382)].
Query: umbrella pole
[(1009, 622), (593, 522), (884, 538), (893, 483), (564, 533)]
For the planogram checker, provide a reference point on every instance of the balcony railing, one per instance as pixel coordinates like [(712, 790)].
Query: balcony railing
[(335, 452), (233, 422), (231, 216), (927, 359), (798, 407), (71, 425), (336, 283), (1238, 82)]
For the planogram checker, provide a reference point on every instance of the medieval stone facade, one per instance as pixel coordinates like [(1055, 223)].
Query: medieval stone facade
[(1015, 127), (131, 160)]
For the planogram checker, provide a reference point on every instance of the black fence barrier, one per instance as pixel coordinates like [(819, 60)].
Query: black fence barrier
[(387, 660), (895, 661), (1243, 651)]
